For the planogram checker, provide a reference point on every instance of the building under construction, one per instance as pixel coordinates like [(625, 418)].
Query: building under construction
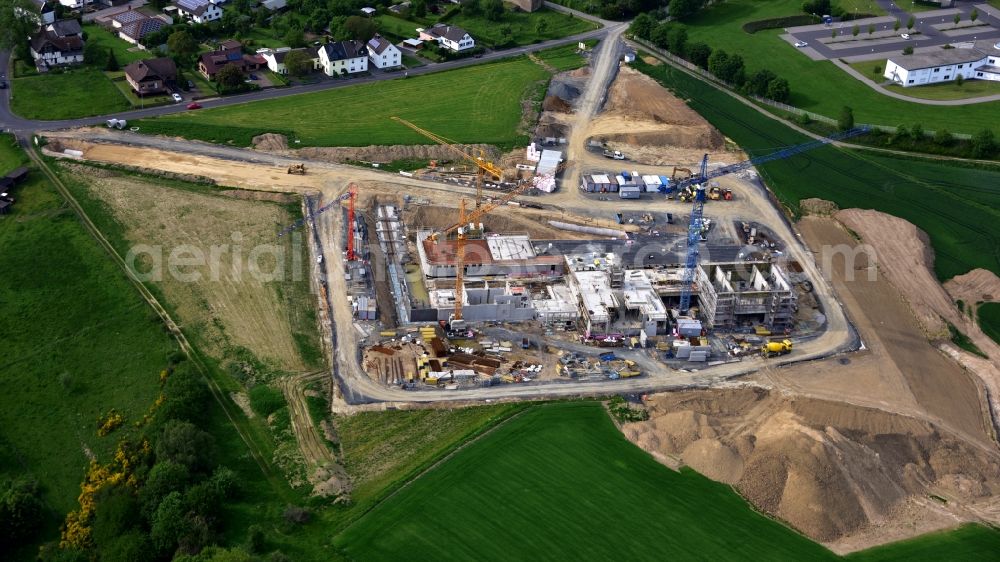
[(509, 256), (733, 295)]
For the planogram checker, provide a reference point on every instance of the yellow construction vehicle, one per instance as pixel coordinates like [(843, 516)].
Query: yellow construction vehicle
[(297, 169), (483, 166), (686, 171), (776, 348), (716, 193)]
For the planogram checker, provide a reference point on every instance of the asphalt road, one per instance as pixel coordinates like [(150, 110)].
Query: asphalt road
[(21, 126), (922, 35)]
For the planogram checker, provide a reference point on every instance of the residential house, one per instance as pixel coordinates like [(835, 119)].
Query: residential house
[(66, 28), (274, 5), (343, 57), (152, 76), (230, 52), (44, 13), (276, 57), (48, 49), (133, 26), (383, 53), (198, 11), (449, 37), (528, 5), (981, 62)]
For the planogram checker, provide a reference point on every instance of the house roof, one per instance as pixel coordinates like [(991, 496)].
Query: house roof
[(379, 44), (274, 4), (230, 45), (139, 29), (46, 38), (341, 50), (65, 28), (196, 7), (943, 57), (450, 32), (129, 16), (162, 68)]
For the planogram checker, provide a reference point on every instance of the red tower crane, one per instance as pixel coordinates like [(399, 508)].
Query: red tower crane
[(351, 195)]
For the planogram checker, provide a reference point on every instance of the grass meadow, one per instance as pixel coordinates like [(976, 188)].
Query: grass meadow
[(989, 319)]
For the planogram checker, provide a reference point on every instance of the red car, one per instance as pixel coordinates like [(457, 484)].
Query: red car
[(194, 105)]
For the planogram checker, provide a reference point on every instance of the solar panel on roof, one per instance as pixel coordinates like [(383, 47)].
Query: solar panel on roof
[(234, 56), (190, 5)]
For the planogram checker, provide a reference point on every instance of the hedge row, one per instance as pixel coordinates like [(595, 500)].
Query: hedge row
[(783, 22)]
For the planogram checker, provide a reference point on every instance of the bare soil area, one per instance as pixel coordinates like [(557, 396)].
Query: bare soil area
[(976, 286), (499, 221), (230, 304), (829, 469)]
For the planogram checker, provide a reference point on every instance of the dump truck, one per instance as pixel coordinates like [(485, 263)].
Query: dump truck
[(717, 193), (776, 348), (297, 169)]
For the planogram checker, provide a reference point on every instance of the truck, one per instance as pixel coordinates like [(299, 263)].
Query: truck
[(776, 348), (614, 154), (525, 343)]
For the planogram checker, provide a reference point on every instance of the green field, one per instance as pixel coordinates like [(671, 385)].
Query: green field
[(958, 207), (524, 27), (563, 58), (472, 108), (78, 339), (989, 319), (859, 7), (968, 544), (560, 482), (125, 52), (819, 86), (79, 92)]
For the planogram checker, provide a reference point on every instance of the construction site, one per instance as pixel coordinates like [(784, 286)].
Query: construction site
[(633, 249)]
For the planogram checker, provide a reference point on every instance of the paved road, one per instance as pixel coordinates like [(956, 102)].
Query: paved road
[(9, 121), (923, 35)]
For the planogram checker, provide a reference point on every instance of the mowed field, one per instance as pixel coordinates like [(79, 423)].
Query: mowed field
[(957, 206), (969, 543), (481, 103), (75, 93), (78, 341), (819, 86), (560, 482), (250, 293)]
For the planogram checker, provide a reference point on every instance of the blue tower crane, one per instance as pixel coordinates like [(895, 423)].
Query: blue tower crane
[(697, 210)]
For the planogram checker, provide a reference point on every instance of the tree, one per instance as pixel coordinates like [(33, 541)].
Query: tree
[(817, 7), (117, 512), (959, 80), (717, 62), (186, 393), (698, 54), (542, 26), (418, 8), (165, 477), (506, 33), (17, 23), (677, 39), (958, 18), (20, 511), (778, 90), (855, 30), (168, 523), (901, 134), (112, 65), (95, 55), (298, 63), (759, 81), (131, 547), (917, 131), (642, 26), (876, 70), (361, 29), (871, 28), (182, 45), (735, 71), (833, 34), (984, 144), (845, 120), (660, 35), (911, 22), (907, 50), (895, 26), (974, 15), (492, 9), (943, 137), (680, 9), (294, 38), (183, 443), (255, 539)]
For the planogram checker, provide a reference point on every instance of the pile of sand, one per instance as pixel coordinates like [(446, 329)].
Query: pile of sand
[(815, 206), (828, 468), (270, 142), (557, 104)]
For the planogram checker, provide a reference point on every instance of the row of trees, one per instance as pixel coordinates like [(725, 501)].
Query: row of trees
[(982, 145), (729, 68)]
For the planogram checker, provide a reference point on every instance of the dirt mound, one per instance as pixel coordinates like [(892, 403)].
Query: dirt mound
[(652, 61), (978, 285), (815, 206), (270, 142), (564, 90), (677, 136), (830, 469), (582, 72), (636, 95), (376, 153), (555, 103)]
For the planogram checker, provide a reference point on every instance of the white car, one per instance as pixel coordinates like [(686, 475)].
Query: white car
[(801, 44), (177, 98), (905, 36)]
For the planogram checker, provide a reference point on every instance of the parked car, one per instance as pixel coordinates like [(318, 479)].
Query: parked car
[(3, 85), (194, 105), (177, 98), (253, 76), (905, 36), (800, 44)]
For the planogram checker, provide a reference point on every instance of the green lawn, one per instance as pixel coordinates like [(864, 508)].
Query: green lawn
[(859, 7), (412, 62), (560, 482), (259, 38), (819, 86), (968, 543), (989, 319), (566, 57), (78, 340), (950, 90), (524, 27), (119, 81), (471, 109), (959, 207), (79, 92), (107, 40)]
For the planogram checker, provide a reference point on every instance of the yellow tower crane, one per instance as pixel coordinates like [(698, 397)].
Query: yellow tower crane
[(459, 229), (483, 166)]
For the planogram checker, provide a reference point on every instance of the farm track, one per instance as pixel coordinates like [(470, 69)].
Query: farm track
[(312, 445), (189, 350)]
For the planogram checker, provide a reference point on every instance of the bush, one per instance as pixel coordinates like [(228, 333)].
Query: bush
[(779, 23), (907, 50), (297, 515), (845, 120), (984, 144), (266, 400)]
